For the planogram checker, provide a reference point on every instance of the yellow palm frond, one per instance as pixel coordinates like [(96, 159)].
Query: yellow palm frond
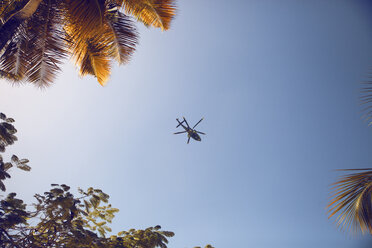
[(96, 62), (156, 13), (352, 201), (92, 52), (89, 38), (84, 17), (92, 55)]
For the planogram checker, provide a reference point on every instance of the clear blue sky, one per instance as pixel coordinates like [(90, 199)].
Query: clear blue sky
[(277, 83)]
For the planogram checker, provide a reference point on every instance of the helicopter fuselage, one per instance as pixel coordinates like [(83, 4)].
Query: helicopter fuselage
[(190, 132)]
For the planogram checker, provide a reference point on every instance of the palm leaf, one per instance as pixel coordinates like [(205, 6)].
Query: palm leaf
[(46, 47), (89, 37), (352, 201), (92, 56), (13, 62), (84, 17), (96, 62), (157, 13), (9, 76), (123, 36), (115, 38)]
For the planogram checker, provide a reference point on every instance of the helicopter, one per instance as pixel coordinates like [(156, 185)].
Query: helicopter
[(191, 132)]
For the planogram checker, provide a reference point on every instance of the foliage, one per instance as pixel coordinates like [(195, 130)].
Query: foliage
[(7, 137), (352, 200), (64, 220), (92, 32), (60, 218)]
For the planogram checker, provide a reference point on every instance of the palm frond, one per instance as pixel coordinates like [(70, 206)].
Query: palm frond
[(123, 36), (84, 17), (92, 55), (115, 38), (352, 201), (46, 47), (156, 13), (96, 62), (9, 76), (89, 38), (13, 62)]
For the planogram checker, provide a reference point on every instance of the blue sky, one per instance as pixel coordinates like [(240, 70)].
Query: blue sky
[(278, 85)]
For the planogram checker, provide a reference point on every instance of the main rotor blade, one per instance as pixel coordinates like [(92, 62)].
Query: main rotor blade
[(179, 123), (198, 122), (200, 132), (180, 132), (186, 122), (188, 140)]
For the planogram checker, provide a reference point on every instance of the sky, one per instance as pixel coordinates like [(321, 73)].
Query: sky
[(277, 83)]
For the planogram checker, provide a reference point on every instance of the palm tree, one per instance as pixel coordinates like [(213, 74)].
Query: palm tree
[(352, 200), (37, 35), (352, 194)]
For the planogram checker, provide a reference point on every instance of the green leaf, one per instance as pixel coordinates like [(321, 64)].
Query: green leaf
[(104, 197), (90, 190), (24, 167), (158, 227), (2, 186), (24, 161), (95, 201), (56, 191), (7, 166), (101, 223), (65, 187), (15, 159), (101, 231)]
